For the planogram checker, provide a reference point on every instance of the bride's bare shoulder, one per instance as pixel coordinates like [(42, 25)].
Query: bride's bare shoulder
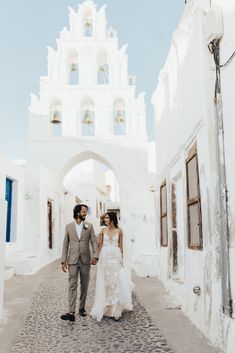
[(120, 231)]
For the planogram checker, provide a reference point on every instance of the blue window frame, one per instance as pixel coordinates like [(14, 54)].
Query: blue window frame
[(8, 198)]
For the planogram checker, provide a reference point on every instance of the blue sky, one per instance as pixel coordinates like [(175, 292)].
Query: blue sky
[(29, 26)]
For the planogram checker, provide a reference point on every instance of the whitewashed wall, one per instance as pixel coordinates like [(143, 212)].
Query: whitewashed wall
[(2, 250), (41, 188), (111, 180), (228, 84), (15, 172), (185, 113), (8, 251)]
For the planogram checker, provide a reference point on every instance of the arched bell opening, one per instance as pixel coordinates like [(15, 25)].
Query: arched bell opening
[(55, 115), (119, 117), (73, 67), (87, 23), (102, 67), (87, 118)]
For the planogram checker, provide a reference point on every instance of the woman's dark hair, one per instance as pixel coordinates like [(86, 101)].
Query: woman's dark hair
[(113, 218), (102, 222), (77, 209)]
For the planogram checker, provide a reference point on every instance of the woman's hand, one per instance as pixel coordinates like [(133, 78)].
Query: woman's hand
[(93, 261)]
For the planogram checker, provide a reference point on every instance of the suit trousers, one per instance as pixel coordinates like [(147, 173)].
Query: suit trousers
[(74, 271)]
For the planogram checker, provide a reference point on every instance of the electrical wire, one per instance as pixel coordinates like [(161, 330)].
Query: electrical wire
[(228, 61), (213, 48)]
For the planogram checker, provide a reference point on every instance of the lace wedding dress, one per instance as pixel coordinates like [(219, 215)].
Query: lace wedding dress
[(113, 284)]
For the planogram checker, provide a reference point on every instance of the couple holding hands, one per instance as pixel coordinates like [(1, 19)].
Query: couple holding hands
[(113, 285)]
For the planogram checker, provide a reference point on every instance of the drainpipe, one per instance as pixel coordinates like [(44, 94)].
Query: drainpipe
[(214, 47)]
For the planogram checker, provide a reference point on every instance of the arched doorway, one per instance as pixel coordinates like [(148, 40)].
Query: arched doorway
[(92, 183), (52, 161), (136, 201)]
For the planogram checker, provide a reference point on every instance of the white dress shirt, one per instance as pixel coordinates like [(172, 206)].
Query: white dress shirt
[(78, 228)]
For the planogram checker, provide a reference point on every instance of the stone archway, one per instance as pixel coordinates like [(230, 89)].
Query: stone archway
[(81, 157), (128, 163), (136, 203), (86, 183)]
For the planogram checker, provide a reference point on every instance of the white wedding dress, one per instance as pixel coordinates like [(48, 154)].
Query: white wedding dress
[(113, 283)]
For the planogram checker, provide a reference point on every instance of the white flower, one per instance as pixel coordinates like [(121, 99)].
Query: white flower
[(85, 226)]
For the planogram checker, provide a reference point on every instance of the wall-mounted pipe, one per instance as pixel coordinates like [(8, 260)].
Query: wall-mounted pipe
[(227, 302)]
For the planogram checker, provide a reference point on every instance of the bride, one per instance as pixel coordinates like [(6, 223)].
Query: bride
[(113, 285)]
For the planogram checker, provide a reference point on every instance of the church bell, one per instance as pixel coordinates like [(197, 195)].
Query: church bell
[(101, 68), (73, 67), (120, 118), (87, 120), (88, 23), (56, 118)]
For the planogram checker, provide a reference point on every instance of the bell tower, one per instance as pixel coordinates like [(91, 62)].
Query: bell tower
[(87, 92), (87, 108)]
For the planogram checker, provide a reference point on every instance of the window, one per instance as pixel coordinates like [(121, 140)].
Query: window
[(163, 213), (193, 201)]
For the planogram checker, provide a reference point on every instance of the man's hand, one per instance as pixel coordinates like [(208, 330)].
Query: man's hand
[(64, 266), (93, 261)]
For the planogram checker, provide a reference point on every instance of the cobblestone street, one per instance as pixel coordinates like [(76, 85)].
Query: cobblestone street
[(44, 331)]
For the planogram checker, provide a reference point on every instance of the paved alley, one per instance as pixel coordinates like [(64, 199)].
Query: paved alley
[(44, 331)]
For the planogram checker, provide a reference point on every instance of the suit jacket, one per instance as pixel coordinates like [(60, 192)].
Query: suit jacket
[(73, 248)]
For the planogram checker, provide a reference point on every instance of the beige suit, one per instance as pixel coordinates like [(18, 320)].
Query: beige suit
[(76, 252)]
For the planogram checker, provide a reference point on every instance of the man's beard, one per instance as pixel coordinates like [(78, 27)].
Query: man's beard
[(82, 218)]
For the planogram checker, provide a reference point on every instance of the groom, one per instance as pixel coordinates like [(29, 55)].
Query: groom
[(76, 257)]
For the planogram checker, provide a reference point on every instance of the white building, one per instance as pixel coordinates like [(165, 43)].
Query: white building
[(2, 251), (87, 109), (11, 215), (195, 169)]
